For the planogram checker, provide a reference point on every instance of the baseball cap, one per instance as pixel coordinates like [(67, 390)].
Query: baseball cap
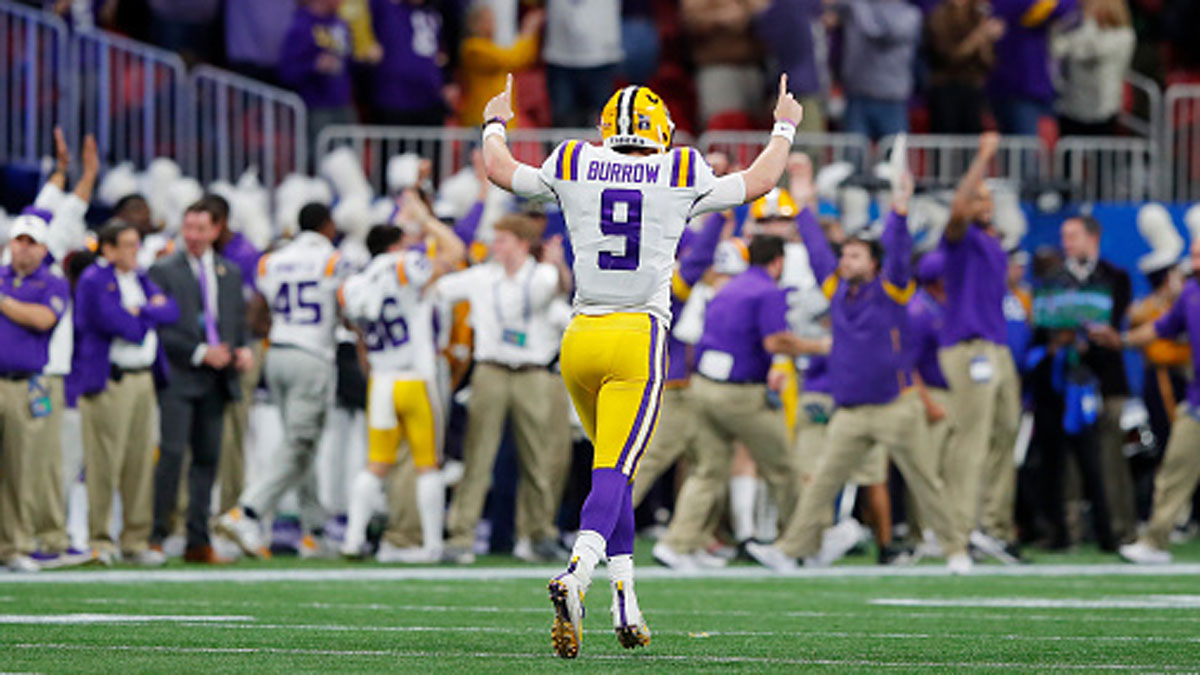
[(32, 223)]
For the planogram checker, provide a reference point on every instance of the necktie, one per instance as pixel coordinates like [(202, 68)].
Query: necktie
[(210, 321)]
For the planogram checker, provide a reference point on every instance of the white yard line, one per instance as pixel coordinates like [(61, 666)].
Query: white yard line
[(73, 619), (449, 574), (642, 657), (1125, 602)]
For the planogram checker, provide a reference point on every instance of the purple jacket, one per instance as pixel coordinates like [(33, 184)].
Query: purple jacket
[(309, 37), (1023, 55), (409, 77), (99, 317)]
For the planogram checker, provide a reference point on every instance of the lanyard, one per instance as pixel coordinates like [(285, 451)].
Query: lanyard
[(526, 303)]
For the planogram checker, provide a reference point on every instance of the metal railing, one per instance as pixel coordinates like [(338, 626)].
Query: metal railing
[(239, 123), (743, 146), (1107, 168), (939, 160), (1182, 143), (33, 82), (1145, 98), (132, 96)]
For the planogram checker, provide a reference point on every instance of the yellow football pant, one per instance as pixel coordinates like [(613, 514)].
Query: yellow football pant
[(614, 367), (400, 410)]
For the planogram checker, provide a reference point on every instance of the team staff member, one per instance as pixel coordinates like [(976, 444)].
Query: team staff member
[(744, 326), (515, 342), (867, 308), (32, 300), (300, 282), (974, 356), (1180, 470)]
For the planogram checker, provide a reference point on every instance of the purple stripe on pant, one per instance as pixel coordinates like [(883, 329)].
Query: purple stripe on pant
[(653, 382)]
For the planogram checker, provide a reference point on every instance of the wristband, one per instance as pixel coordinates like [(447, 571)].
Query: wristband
[(784, 129), (495, 127)]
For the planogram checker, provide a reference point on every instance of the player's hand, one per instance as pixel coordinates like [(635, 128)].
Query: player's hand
[(800, 179), (552, 251), (1104, 335), (90, 156), (787, 108), (243, 359), (934, 413), (776, 379), (501, 104), (158, 300), (993, 29), (989, 143), (719, 162), (217, 356), (902, 194), (533, 22), (62, 154)]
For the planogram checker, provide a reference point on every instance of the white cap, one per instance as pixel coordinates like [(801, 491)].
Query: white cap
[(31, 226), (1155, 225)]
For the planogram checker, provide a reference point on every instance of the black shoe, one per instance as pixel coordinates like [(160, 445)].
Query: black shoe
[(895, 554), (1014, 551)]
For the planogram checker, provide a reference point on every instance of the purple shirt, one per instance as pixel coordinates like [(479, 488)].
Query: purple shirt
[(1022, 56), (786, 29), (925, 317), (866, 362), (308, 37), (1184, 316), (26, 350), (747, 309), (255, 30), (975, 277), (245, 256), (816, 376), (408, 77)]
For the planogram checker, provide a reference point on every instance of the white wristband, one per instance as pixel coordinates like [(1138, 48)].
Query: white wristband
[(784, 129), (495, 129)]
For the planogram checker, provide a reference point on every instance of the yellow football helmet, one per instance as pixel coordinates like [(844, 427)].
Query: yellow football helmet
[(636, 116), (777, 203)]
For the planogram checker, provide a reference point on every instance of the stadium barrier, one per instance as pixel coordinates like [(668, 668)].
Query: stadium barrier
[(1182, 142), (1142, 113), (1107, 168), (239, 123), (132, 96), (33, 75), (940, 160), (743, 146)]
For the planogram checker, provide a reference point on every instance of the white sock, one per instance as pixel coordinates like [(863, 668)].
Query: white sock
[(588, 550), (431, 504), (620, 576), (741, 506), (766, 514), (366, 490)]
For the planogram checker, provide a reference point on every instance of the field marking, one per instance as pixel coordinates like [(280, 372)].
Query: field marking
[(82, 618), (642, 657), (243, 575), (1127, 602)]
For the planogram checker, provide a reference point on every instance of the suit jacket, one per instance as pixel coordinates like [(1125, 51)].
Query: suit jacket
[(181, 338), (99, 317)]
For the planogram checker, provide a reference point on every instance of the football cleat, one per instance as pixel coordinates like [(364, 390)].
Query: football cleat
[(628, 622), (566, 594), (771, 557), (242, 530), (1144, 554)]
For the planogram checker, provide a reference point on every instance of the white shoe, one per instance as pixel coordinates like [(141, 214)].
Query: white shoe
[(413, 555), (523, 550), (147, 558), (242, 530), (108, 558), (1144, 554), (459, 555), (174, 546), (313, 548), (707, 561), (628, 622), (566, 594), (959, 563), (837, 541), (22, 563), (452, 472), (771, 557), (669, 557), (929, 547), (992, 546)]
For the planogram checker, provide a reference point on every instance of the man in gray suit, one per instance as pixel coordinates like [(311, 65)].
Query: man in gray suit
[(206, 349)]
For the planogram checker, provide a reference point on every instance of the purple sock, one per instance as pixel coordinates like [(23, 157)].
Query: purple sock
[(602, 508), (621, 541)]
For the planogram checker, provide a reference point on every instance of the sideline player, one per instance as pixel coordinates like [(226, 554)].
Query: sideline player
[(625, 205)]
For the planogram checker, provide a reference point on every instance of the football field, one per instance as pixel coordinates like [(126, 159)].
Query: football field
[(1079, 612)]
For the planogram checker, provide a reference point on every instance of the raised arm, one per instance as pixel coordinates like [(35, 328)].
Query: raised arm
[(896, 240), (498, 161), (764, 173), (968, 187)]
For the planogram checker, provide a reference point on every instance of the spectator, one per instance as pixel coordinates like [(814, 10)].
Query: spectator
[(32, 300), (960, 37), (1093, 59), (1020, 88), (186, 26), (408, 80), (364, 45), (879, 44), (117, 360), (639, 37), (729, 77), (786, 27), (582, 52), (314, 62), (254, 37), (485, 63), (206, 348)]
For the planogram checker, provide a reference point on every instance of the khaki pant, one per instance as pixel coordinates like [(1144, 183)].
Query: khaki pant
[(674, 438), (853, 433), (558, 465), (48, 507), (979, 468), (495, 393), (231, 469), (404, 520), (1118, 479), (1176, 479), (812, 423), (727, 413), (17, 467), (934, 442), (118, 428)]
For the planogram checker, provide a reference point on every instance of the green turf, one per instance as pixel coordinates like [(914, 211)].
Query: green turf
[(753, 624)]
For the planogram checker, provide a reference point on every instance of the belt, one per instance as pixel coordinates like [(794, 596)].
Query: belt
[(16, 377), (515, 368), (115, 373)]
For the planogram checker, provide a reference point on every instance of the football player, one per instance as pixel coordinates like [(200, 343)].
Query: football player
[(625, 204)]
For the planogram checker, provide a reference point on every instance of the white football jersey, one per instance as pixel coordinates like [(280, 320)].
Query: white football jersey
[(625, 214), (388, 301), (300, 282)]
